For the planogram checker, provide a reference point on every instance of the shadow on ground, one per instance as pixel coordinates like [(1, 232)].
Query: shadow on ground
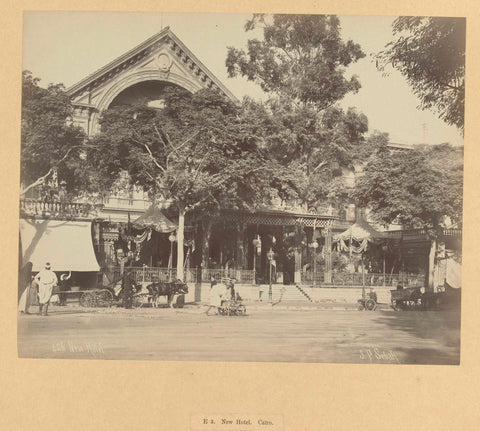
[(437, 328)]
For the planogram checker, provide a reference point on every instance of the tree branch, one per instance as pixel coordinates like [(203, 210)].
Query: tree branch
[(42, 179), (154, 159)]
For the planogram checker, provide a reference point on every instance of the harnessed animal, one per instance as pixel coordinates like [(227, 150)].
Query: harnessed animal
[(166, 288)]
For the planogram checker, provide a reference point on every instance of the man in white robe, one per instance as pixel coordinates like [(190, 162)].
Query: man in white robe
[(217, 292), (46, 280)]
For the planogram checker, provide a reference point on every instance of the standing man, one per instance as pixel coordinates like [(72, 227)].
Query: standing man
[(64, 287), (217, 292), (46, 281)]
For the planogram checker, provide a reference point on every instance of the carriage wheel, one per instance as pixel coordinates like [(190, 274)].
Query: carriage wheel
[(242, 310), (370, 305), (137, 301), (360, 306), (105, 298), (88, 299)]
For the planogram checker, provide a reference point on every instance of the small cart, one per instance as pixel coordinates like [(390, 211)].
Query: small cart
[(232, 308), (368, 301)]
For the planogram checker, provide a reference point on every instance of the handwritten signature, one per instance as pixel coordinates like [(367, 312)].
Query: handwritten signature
[(93, 348), (377, 355)]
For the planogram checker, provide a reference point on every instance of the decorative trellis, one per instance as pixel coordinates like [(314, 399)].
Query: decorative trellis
[(280, 219)]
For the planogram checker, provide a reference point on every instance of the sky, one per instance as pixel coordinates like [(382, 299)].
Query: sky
[(67, 46)]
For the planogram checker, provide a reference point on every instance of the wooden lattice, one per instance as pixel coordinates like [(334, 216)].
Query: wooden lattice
[(280, 219)]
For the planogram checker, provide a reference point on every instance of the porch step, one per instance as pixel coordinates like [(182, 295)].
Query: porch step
[(284, 293)]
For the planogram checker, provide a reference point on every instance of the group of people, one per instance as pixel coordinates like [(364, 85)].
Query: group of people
[(220, 292), (42, 284)]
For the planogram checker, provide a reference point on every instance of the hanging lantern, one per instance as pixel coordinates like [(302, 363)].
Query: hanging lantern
[(257, 243)]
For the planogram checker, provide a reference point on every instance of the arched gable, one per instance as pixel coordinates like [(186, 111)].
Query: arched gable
[(162, 58)]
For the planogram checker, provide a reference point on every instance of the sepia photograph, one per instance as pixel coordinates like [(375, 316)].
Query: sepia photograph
[(241, 187)]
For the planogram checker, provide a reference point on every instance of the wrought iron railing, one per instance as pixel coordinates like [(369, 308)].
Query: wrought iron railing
[(149, 274), (369, 279), (242, 276)]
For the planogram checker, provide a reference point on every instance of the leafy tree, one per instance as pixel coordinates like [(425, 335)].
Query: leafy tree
[(196, 151), (412, 187), (308, 149), (430, 53), (301, 62), (301, 57), (420, 188), (49, 144)]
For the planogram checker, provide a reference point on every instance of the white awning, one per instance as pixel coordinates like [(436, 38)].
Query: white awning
[(67, 245)]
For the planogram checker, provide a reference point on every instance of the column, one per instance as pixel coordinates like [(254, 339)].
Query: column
[(328, 255), (240, 251)]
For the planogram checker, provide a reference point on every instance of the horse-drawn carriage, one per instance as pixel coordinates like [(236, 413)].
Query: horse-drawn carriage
[(130, 294), (127, 294), (407, 298)]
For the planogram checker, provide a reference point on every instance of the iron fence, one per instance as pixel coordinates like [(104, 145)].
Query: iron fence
[(149, 274), (369, 279)]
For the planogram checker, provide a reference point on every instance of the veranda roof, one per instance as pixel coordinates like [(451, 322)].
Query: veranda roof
[(359, 231), (156, 220)]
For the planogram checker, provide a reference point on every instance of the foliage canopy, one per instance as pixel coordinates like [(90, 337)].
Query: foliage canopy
[(417, 188), (301, 57), (430, 53), (49, 143)]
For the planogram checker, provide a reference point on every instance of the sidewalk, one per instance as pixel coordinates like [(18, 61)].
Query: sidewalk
[(296, 305), (299, 305)]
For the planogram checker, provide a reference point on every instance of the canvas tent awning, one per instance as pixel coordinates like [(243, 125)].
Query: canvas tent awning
[(453, 273), (67, 245), (359, 231), (156, 220)]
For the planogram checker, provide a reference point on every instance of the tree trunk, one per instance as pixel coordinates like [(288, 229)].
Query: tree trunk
[(431, 265), (206, 230), (180, 235)]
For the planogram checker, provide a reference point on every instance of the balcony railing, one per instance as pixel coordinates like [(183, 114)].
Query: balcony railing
[(125, 203), (37, 208)]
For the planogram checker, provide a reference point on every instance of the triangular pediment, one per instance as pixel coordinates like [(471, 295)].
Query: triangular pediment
[(162, 57)]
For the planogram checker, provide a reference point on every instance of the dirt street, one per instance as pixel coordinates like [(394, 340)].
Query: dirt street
[(333, 336)]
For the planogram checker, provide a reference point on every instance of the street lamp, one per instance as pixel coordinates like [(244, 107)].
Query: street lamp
[(384, 250), (270, 256), (172, 238), (257, 245), (314, 245)]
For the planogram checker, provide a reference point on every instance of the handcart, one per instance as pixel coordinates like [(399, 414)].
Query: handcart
[(232, 307), (368, 302)]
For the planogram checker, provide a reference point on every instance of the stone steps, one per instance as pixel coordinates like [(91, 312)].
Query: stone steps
[(284, 293)]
